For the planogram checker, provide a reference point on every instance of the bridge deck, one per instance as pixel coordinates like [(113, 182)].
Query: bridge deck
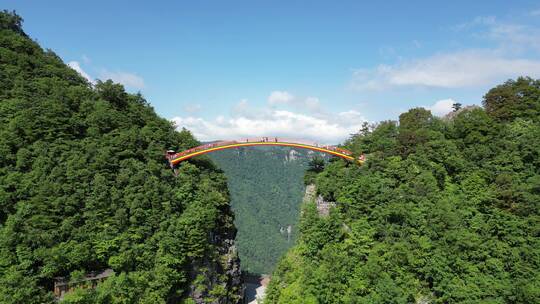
[(175, 158)]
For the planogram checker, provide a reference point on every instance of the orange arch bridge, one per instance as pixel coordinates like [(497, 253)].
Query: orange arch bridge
[(176, 158)]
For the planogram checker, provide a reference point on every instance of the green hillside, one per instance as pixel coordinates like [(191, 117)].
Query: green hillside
[(84, 187), (443, 211), (266, 191)]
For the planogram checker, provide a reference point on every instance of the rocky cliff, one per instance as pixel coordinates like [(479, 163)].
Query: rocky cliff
[(323, 206), (217, 279)]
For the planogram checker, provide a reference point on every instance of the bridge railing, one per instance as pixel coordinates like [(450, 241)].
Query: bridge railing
[(171, 155), (202, 147)]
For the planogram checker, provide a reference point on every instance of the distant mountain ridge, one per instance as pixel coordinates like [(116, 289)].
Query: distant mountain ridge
[(266, 186)]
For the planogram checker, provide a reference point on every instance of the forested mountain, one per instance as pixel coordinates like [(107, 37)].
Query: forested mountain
[(266, 191), (84, 187), (443, 211)]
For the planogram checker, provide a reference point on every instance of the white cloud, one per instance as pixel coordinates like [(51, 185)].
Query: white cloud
[(247, 122), (442, 107), (515, 37), (351, 116), (450, 70), (128, 79), (125, 78), (510, 36), (312, 104), (280, 97), (467, 67), (241, 106), (244, 108), (192, 108), (288, 100), (477, 21), (77, 67), (284, 115)]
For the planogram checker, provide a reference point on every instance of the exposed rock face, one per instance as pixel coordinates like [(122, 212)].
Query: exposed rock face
[(323, 207), (292, 156), (425, 299), (261, 290), (311, 191), (217, 279), (233, 272)]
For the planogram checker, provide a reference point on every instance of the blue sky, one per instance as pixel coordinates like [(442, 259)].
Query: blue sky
[(302, 69)]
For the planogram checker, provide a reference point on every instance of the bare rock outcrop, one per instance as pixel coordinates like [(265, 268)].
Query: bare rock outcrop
[(218, 277), (323, 207)]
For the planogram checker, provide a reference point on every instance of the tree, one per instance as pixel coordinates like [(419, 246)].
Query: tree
[(11, 21), (112, 92), (414, 129), (84, 187), (316, 164), (443, 211), (415, 119), (513, 99)]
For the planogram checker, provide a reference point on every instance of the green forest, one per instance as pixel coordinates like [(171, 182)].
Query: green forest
[(266, 191), (84, 186), (445, 210)]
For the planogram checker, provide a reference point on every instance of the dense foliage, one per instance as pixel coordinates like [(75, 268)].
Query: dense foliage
[(84, 186), (266, 191), (443, 211)]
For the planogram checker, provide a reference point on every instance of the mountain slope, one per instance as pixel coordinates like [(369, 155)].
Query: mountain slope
[(266, 190), (84, 187), (443, 211)]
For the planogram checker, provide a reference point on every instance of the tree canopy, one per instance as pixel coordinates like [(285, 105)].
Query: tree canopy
[(84, 186), (443, 211), (266, 190)]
